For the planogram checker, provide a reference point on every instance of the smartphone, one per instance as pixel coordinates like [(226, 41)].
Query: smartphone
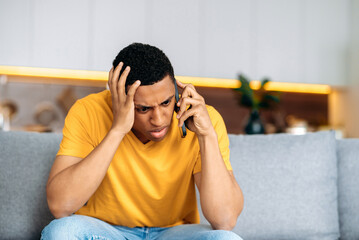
[(183, 128)]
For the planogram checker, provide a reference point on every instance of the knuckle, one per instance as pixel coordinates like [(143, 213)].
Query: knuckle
[(114, 79), (191, 87), (188, 99)]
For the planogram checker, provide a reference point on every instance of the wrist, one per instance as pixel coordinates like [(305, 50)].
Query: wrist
[(117, 133), (210, 134)]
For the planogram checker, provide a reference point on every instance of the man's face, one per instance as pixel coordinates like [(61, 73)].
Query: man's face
[(154, 106)]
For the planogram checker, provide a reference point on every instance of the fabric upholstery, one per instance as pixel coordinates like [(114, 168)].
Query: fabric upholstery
[(289, 185), (25, 162), (348, 187)]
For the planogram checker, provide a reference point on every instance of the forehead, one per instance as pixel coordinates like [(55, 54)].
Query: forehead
[(154, 94)]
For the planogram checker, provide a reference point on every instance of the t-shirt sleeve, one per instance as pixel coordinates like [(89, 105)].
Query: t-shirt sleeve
[(76, 139), (222, 137)]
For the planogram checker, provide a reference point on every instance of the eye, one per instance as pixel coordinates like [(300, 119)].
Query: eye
[(142, 109), (166, 103)]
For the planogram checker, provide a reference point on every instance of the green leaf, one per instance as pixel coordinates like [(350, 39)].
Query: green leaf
[(264, 82), (246, 100), (244, 88), (256, 99), (264, 105), (272, 98)]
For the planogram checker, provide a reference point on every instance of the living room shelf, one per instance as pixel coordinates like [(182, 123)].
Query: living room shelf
[(99, 78)]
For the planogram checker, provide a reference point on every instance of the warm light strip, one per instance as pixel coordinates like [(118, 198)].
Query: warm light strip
[(293, 87), (210, 82), (197, 81), (53, 73)]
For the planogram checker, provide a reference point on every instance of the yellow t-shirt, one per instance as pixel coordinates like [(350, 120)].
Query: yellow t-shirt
[(148, 184)]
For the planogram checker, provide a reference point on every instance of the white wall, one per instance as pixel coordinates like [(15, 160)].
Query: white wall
[(352, 115), (344, 102), (289, 41), (354, 44)]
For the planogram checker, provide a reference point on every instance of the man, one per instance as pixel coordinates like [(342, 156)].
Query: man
[(124, 169)]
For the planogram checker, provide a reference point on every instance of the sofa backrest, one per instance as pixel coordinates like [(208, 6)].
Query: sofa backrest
[(289, 184), (25, 162), (348, 187)]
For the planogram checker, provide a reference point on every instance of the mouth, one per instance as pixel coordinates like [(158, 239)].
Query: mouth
[(159, 133)]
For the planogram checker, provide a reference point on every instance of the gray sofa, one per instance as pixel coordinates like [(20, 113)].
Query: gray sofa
[(295, 187)]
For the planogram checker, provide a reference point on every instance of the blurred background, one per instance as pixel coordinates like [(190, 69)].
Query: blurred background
[(55, 52)]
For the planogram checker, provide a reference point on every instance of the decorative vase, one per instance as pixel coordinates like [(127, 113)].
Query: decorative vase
[(254, 125)]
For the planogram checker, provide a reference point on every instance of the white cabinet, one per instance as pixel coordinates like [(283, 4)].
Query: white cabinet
[(227, 38), (278, 44), (60, 34), (15, 33), (288, 41), (326, 41), (114, 25), (174, 26), (354, 45)]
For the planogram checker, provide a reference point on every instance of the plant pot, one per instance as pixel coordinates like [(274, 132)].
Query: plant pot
[(254, 125)]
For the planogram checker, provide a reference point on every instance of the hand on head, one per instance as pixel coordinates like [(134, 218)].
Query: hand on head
[(122, 103)]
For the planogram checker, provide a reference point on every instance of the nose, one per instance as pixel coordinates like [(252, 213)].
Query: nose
[(157, 117)]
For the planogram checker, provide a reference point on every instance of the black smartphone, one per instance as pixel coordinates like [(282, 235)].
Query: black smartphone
[(183, 128)]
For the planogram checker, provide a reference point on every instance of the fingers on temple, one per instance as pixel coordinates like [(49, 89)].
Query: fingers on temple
[(122, 83), (132, 91), (114, 79)]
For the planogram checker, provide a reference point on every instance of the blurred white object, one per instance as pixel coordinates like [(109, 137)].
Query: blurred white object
[(297, 130), (8, 109), (297, 126), (1, 122), (4, 119), (4, 110)]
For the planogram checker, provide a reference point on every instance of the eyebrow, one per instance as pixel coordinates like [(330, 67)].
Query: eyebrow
[(143, 106)]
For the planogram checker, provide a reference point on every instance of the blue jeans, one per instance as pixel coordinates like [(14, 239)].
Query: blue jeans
[(84, 227)]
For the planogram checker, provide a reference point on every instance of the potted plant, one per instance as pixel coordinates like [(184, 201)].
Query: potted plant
[(255, 100)]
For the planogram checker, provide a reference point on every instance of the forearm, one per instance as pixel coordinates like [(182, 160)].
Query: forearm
[(71, 188), (221, 197)]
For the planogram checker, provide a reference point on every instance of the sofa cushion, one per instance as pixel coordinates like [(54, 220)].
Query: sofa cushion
[(25, 160), (289, 184), (348, 182)]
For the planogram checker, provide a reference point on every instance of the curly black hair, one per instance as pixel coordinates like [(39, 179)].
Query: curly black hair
[(148, 64)]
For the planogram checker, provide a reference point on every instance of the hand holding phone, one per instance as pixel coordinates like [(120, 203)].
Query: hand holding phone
[(193, 111)]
